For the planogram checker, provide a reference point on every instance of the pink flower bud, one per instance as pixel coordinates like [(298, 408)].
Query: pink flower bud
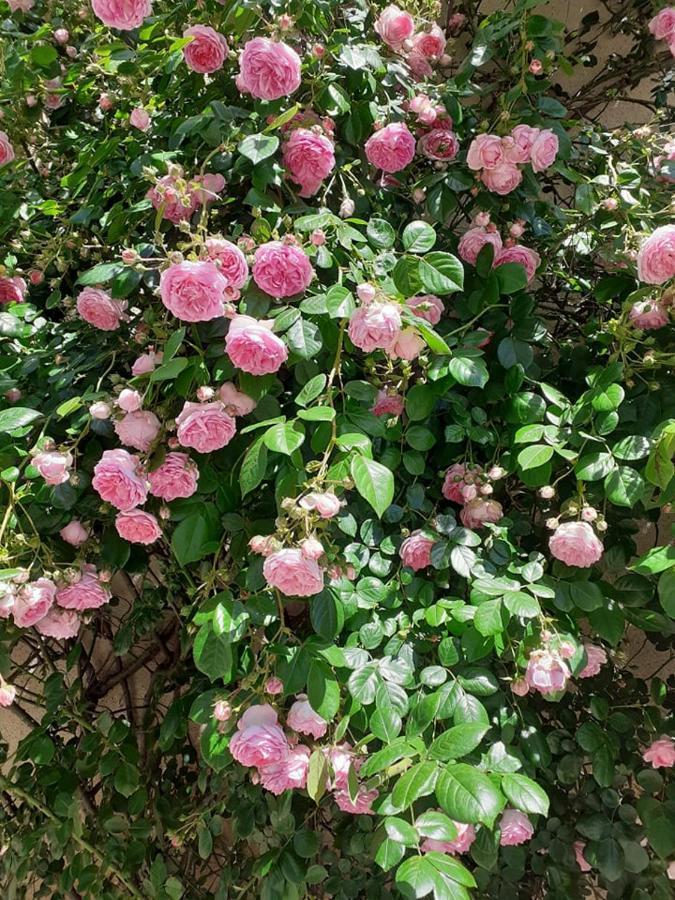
[(419, 196), (496, 472), (517, 230), (71, 52), (318, 51), (222, 711), (129, 400), (31, 100), (366, 292), (482, 219), (105, 103), (547, 492), (536, 67), (347, 208), (13, 394), (285, 22), (274, 686), (552, 523), (35, 276), (129, 257), (164, 512), (318, 238), (520, 687), (589, 514), (100, 410), (205, 393), (61, 36)]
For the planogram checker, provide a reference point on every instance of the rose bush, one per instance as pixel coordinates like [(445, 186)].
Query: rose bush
[(336, 444)]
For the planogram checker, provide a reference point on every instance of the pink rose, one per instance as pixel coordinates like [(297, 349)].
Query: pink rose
[(281, 270), (518, 148), (427, 306), (253, 347), (430, 44), (235, 402), (61, 624), (176, 477), (140, 118), (288, 773), (206, 51), (515, 827), (480, 511), (74, 533), (595, 659), (308, 158), (575, 544), (649, 314), (7, 600), (459, 484), (546, 672), (544, 150), (293, 574), (99, 309), (415, 551), (502, 179), (124, 15), (341, 758), (406, 345), (120, 479), (100, 410), (486, 151), (268, 69), (438, 144), (520, 687), (7, 691), (662, 26), (129, 400), (193, 291), (53, 467), (259, 741), (529, 259), (579, 847), (466, 835), (6, 149), (138, 429), (230, 261), (33, 602), (656, 257), (178, 198), (392, 148), (375, 326), (146, 363), (394, 26), (302, 718), (387, 404), (86, 592), (361, 806), (473, 241), (311, 548), (661, 753), (12, 290), (326, 504), (138, 527), (204, 426)]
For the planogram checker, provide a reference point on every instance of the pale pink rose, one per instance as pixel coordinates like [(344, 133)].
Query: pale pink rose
[(515, 828), (193, 291), (7, 600), (274, 686), (459, 484), (520, 687), (99, 309), (392, 148), (519, 147), (341, 758), (138, 429), (229, 259), (430, 43), (86, 592), (407, 344), (174, 198), (656, 257), (129, 400), (311, 548), (140, 118), (575, 544), (486, 151), (361, 806), (387, 404), (204, 426), (288, 773), (206, 51), (6, 149), (259, 741), (308, 158), (222, 711), (74, 533), (124, 15), (366, 293), (61, 624), (120, 479), (235, 402), (579, 847), (375, 326), (207, 187), (661, 753), (326, 504), (662, 26), (268, 69), (546, 672), (100, 410), (395, 26), (427, 306), (529, 259), (649, 314), (138, 527), (281, 270), (253, 347), (33, 602), (12, 290), (438, 144), (544, 150), (415, 551), (147, 362), (175, 478), (302, 718), (7, 691), (595, 659), (53, 467), (473, 241), (293, 574), (502, 179), (480, 511), (466, 835)]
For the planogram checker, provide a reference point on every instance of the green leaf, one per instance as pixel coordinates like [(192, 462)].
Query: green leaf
[(417, 875), (193, 539), (318, 775), (169, 370), (419, 781), (17, 417), (323, 690), (317, 414), (534, 455), (468, 371), (441, 273), (386, 724), (205, 842), (399, 830), (126, 779), (594, 466), (521, 604), (311, 390), (257, 147), (380, 234), (284, 438), (100, 274), (525, 794), (213, 654), (326, 614), (304, 339), (488, 618), (457, 741), (173, 344), (418, 237), (389, 853), (374, 482), (363, 683), (660, 469), (253, 466), (436, 825), (624, 486), (656, 560), (666, 590), (468, 795), (512, 277)]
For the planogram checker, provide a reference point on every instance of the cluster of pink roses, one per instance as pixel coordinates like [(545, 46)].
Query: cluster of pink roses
[(177, 197), (377, 324), (662, 26), (470, 487), (497, 158), (508, 251), (547, 669), (419, 48), (514, 826)]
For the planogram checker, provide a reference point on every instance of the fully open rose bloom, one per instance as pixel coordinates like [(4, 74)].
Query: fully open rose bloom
[(394, 26), (33, 602), (253, 347), (387, 404), (138, 429), (281, 270), (575, 544), (415, 551), (407, 344), (503, 179), (53, 467), (656, 257), (59, 623), (649, 314), (268, 69), (473, 241), (308, 158), (427, 306), (125, 15), (303, 719), (661, 753), (176, 477), (12, 289), (485, 152), (146, 363), (595, 659), (361, 805), (524, 256), (515, 828), (74, 533), (259, 741), (230, 260), (325, 504), (138, 527), (290, 572), (6, 149), (546, 672), (518, 146), (431, 44), (85, 592), (204, 426), (288, 773), (544, 150), (480, 511), (375, 326), (120, 479), (7, 693), (193, 291), (662, 26), (206, 51), (392, 148), (438, 144), (235, 402), (466, 835), (99, 309)]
